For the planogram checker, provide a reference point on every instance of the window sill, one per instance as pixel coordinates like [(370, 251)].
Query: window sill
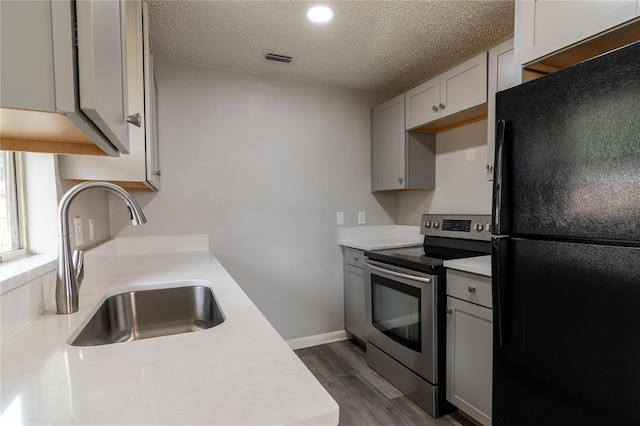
[(18, 272)]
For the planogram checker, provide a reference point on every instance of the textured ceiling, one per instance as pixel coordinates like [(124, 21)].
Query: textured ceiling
[(387, 46)]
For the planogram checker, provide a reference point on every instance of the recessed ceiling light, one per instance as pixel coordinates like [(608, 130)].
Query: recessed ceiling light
[(320, 14)]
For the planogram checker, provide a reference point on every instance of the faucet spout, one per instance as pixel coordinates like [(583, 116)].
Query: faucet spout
[(71, 268)]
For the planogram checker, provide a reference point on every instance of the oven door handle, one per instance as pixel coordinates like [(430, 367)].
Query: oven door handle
[(398, 274)]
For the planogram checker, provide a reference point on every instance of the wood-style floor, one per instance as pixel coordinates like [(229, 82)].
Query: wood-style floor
[(364, 397)]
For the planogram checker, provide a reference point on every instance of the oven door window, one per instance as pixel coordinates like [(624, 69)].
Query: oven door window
[(395, 311)]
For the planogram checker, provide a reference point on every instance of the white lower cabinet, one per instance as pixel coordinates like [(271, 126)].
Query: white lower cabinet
[(469, 344), (354, 304)]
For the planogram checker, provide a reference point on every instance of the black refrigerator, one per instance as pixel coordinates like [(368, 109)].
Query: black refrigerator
[(566, 247)]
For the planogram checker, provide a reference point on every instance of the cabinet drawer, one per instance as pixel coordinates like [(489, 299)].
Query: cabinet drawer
[(353, 257), (469, 287)]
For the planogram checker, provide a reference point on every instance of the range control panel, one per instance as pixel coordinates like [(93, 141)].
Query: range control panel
[(473, 227)]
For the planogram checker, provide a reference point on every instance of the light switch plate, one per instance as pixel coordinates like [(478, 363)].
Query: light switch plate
[(340, 218), (77, 226), (92, 231), (361, 218)]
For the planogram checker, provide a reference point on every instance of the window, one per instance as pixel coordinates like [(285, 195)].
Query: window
[(11, 235)]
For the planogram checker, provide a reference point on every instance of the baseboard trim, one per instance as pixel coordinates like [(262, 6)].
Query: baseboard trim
[(318, 339)]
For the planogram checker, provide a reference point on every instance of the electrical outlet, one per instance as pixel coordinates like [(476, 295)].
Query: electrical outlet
[(77, 226), (361, 218), (92, 232), (340, 218)]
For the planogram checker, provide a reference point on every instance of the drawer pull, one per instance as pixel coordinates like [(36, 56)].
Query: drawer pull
[(471, 289)]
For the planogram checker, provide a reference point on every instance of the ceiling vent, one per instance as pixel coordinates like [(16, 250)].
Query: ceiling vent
[(277, 57)]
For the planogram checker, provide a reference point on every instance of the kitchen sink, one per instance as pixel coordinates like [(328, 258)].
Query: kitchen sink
[(146, 313)]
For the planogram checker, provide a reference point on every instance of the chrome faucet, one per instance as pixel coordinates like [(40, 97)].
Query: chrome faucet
[(71, 268)]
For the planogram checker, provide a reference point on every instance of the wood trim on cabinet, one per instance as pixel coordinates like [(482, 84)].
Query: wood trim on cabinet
[(469, 116), (42, 131), (128, 185), (600, 44), (529, 75), (52, 147)]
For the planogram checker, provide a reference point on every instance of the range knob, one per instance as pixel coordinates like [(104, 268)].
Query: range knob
[(488, 226), (427, 224), (436, 224), (479, 226)]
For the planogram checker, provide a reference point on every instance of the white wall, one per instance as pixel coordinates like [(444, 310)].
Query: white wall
[(461, 183), (43, 190), (89, 204), (263, 164), (41, 202)]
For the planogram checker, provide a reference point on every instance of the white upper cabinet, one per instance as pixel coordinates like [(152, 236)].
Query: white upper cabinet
[(399, 159), (27, 58), (504, 72), (403, 159), (139, 169), (388, 145), (102, 58), (422, 103), (63, 72), (456, 90), (464, 86), (551, 25), (152, 159)]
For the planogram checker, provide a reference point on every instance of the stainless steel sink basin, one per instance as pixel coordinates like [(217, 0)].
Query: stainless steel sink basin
[(143, 314)]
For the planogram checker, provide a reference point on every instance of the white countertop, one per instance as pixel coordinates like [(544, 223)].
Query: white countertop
[(382, 243), (379, 237), (240, 372), (480, 265), (16, 272)]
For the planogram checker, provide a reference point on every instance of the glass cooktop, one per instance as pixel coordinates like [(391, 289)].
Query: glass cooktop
[(430, 256)]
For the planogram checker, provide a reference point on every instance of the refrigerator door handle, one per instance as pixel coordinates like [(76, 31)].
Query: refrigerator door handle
[(498, 276), (498, 182)]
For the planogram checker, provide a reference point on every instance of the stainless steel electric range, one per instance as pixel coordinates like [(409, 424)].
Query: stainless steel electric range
[(405, 305)]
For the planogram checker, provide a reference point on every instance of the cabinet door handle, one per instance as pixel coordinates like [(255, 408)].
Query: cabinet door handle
[(135, 119), (400, 180), (500, 225), (435, 108), (450, 310), (441, 106), (157, 173), (471, 289), (499, 292)]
